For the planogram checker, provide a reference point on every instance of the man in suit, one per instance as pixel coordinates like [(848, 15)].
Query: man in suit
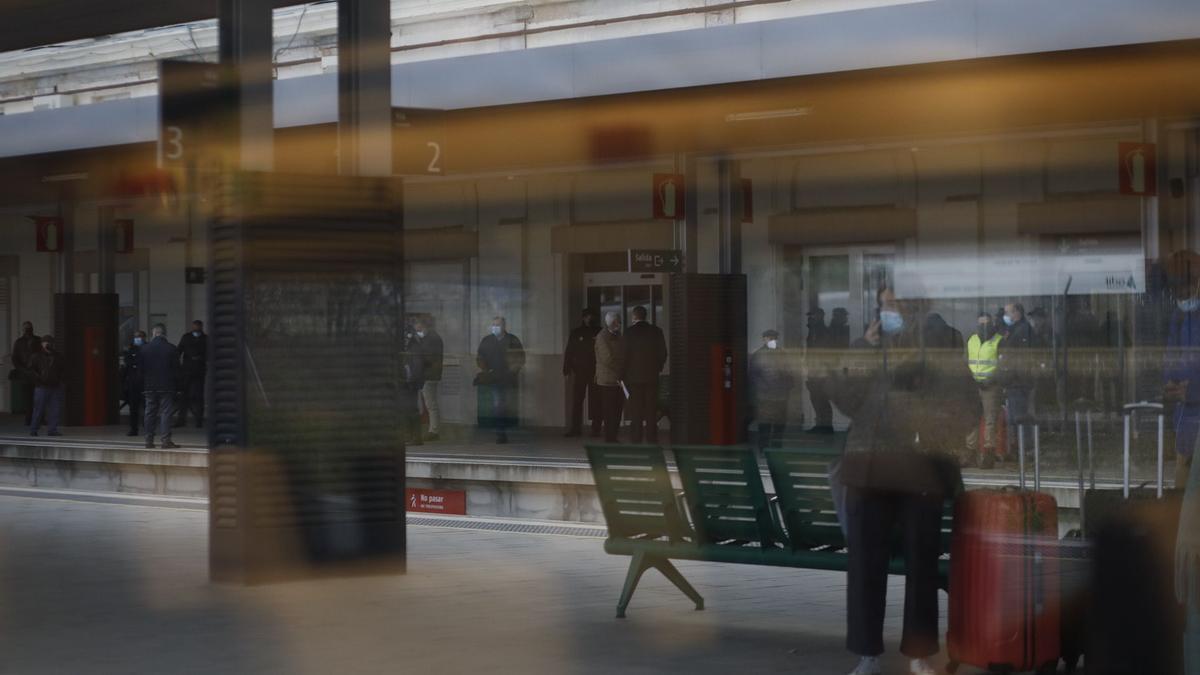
[(159, 363), (579, 367), (645, 356)]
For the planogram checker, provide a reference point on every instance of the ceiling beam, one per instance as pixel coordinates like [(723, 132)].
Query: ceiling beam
[(37, 23)]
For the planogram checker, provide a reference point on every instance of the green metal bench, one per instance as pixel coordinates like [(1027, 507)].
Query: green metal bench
[(724, 513)]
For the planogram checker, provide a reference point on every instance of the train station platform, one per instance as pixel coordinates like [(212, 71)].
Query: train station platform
[(537, 475), (102, 589)]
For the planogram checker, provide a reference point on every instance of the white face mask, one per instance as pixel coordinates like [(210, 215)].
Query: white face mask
[(772, 344), (420, 333), (496, 331), (1189, 305)]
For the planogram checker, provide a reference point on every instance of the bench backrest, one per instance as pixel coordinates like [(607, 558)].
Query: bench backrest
[(635, 492), (724, 491), (800, 473)]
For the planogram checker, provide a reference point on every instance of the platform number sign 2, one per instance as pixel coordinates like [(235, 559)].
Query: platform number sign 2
[(435, 161), (418, 142)]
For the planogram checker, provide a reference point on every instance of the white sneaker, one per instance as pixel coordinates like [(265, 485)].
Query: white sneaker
[(921, 667), (867, 665)]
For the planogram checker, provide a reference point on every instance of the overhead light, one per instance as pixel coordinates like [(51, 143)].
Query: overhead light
[(63, 177), (767, 114)]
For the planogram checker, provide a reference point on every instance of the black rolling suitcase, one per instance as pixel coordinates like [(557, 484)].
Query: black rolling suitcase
[(1134, 624)]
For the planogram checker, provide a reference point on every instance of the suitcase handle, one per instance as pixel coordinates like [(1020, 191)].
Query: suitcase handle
[(1037, 457), (1130, 409)]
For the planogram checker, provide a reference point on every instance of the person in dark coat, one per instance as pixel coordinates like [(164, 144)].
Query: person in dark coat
[(193, 365), (911, 402), (47, 367), (837, 335), (1019, 360), (645, 356), (433, 351), (818, 342), (132, 385), (22, 360), (771, 381), (500, 358), (160, 361), (413, 362), (579, 367)]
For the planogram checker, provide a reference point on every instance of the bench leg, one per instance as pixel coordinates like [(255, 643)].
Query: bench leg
[(637, 567), (670, 572)]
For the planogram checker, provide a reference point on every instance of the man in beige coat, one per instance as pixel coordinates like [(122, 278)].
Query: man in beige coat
[(610, 362)]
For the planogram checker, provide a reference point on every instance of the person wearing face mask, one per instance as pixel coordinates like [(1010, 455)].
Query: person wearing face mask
[(911, 401), (48, 367), (132, 382), (1181, 358), (433, 351), (983, 359), (771, 383), (500, 358), (610, 364), (193, 366), (579, 367), (21, 374), (1018, 368)]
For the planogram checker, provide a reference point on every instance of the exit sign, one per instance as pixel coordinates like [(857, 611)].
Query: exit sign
[(667, 261), (450, 502)]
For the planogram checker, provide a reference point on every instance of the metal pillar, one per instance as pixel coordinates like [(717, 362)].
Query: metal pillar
[(246, 44), (364, 88), (730, 201)]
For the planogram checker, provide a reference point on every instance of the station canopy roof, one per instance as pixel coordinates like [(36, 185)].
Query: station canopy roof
[(37, 23)]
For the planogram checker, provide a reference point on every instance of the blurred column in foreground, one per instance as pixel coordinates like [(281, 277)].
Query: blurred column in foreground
[(306, 451)]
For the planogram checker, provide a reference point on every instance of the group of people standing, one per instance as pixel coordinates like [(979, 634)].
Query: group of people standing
[(162, 383), (618, 373)]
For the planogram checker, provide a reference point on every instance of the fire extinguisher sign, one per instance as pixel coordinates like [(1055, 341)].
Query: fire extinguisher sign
[(1137, 165), (667, 197)]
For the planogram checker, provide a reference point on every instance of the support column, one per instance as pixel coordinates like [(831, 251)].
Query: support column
[(364, 88), (730, 210), (246, 45), (106, 249)]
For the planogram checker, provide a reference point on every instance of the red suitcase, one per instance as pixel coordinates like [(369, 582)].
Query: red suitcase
[(1004, 582)]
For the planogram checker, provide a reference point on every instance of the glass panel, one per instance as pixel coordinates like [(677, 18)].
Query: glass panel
[(828, 287)]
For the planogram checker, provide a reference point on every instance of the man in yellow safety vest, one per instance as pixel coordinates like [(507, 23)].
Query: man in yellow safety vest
[(983, 358)]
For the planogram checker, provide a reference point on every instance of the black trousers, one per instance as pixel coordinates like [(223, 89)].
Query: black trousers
[(613, 400), (191, 399), (642, 411), (822, 408), (872, 516), (581, 386), (27, 386), (137, 409)]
